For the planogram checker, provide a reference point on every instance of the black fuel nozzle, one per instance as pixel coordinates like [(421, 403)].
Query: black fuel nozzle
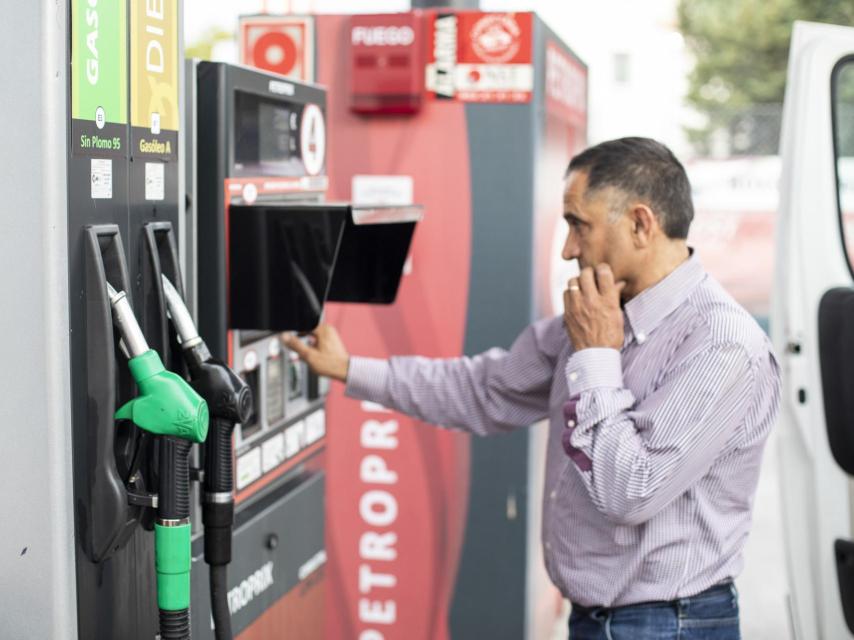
[(229, 398), (229, 401)]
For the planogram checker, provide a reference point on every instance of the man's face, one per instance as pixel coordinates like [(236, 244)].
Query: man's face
[(592, 236)]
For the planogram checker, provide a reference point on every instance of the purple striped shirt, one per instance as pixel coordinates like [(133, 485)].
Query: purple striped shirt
[(654, 450)]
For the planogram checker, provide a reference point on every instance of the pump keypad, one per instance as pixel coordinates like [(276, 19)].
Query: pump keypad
[(289, 418)]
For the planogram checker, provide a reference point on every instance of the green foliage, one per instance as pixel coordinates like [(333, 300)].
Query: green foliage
[(844, 110), (741, 49)]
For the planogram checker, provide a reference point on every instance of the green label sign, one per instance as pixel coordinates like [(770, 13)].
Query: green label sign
[(99, 61)]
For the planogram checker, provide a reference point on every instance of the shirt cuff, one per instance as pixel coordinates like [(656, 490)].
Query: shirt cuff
[(367, 379), (594, 368)]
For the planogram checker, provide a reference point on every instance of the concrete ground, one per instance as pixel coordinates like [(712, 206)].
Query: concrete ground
[(763, 586)]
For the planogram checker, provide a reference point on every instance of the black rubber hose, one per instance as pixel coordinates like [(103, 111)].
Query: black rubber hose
[(175, 625), (230, 401), (219, 602), (218, 518), (218, 467), (174, 494)]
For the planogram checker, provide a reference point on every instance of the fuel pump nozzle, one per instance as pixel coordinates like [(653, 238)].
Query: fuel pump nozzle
[(168, 407), (230, 401)]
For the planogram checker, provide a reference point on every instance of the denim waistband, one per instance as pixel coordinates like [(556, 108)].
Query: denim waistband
[(721, 587)]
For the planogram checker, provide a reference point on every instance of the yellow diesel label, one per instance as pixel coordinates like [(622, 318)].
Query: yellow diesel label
[(154, 65)]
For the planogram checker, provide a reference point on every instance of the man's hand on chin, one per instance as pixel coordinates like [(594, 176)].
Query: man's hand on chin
[(592, 313)]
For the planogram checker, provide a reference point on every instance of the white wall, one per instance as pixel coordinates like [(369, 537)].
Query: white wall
[(200, 16), (650, 102)]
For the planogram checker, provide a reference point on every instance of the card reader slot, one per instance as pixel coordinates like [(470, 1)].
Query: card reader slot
[(275, 389)]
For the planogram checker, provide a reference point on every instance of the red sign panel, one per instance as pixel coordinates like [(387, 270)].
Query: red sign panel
[(283, 45), (481, 57), (386, 63), (566, 85)]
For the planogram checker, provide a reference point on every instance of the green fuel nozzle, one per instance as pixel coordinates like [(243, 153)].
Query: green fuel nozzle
[(168, 407)]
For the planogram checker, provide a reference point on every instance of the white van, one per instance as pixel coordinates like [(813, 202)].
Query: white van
[(812, 324)]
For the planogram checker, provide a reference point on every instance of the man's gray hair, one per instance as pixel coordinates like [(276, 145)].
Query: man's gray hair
[(643, 169)]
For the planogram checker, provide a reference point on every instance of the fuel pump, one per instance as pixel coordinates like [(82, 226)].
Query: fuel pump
[(168, 407), (229, 400), (103, 552), (273, 252)]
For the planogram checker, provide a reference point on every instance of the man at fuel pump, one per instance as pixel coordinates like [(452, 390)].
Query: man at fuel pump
[(660, 390)]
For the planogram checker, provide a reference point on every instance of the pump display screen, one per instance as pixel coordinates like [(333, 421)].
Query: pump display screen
[(266, 137), (281, 259)]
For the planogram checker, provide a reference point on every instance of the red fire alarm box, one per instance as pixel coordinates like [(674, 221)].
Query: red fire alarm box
[(386, 63)]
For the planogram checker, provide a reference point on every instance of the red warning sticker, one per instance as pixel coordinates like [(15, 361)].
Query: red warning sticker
[(481, 57), (281, 44)]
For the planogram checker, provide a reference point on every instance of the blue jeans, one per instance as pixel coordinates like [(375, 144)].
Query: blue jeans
[(710, 615)]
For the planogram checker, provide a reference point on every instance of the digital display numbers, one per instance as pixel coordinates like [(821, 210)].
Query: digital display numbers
[(266, 137)]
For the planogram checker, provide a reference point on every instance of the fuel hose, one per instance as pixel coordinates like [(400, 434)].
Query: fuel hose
[(169, 408), (230, 401)]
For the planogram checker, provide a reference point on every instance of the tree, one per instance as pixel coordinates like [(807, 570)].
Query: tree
[(741, 50)]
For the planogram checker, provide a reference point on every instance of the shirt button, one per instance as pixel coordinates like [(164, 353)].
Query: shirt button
[(641, 338), (570, 423), (553, 494), (549, 546), (573, 376)]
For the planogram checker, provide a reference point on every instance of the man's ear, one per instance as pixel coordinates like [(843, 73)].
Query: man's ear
[(644, 225)]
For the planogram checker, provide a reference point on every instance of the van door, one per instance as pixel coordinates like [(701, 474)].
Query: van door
[(813, 327)]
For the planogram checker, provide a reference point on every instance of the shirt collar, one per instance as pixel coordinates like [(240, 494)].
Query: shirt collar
[(652, 305)]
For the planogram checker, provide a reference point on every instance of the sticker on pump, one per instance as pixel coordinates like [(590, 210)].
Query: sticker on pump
[(250, 193), (294, 438), (315, 427), (248, 468), (155, 183), (273, 452), (250, 360), (101, 177), (313, 139), (374, 190)]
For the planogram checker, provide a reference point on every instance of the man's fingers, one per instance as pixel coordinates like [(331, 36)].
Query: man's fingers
[(325, 334), (605, 279), (572, 296), (295, 344), (588, 283), (572, 293)]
